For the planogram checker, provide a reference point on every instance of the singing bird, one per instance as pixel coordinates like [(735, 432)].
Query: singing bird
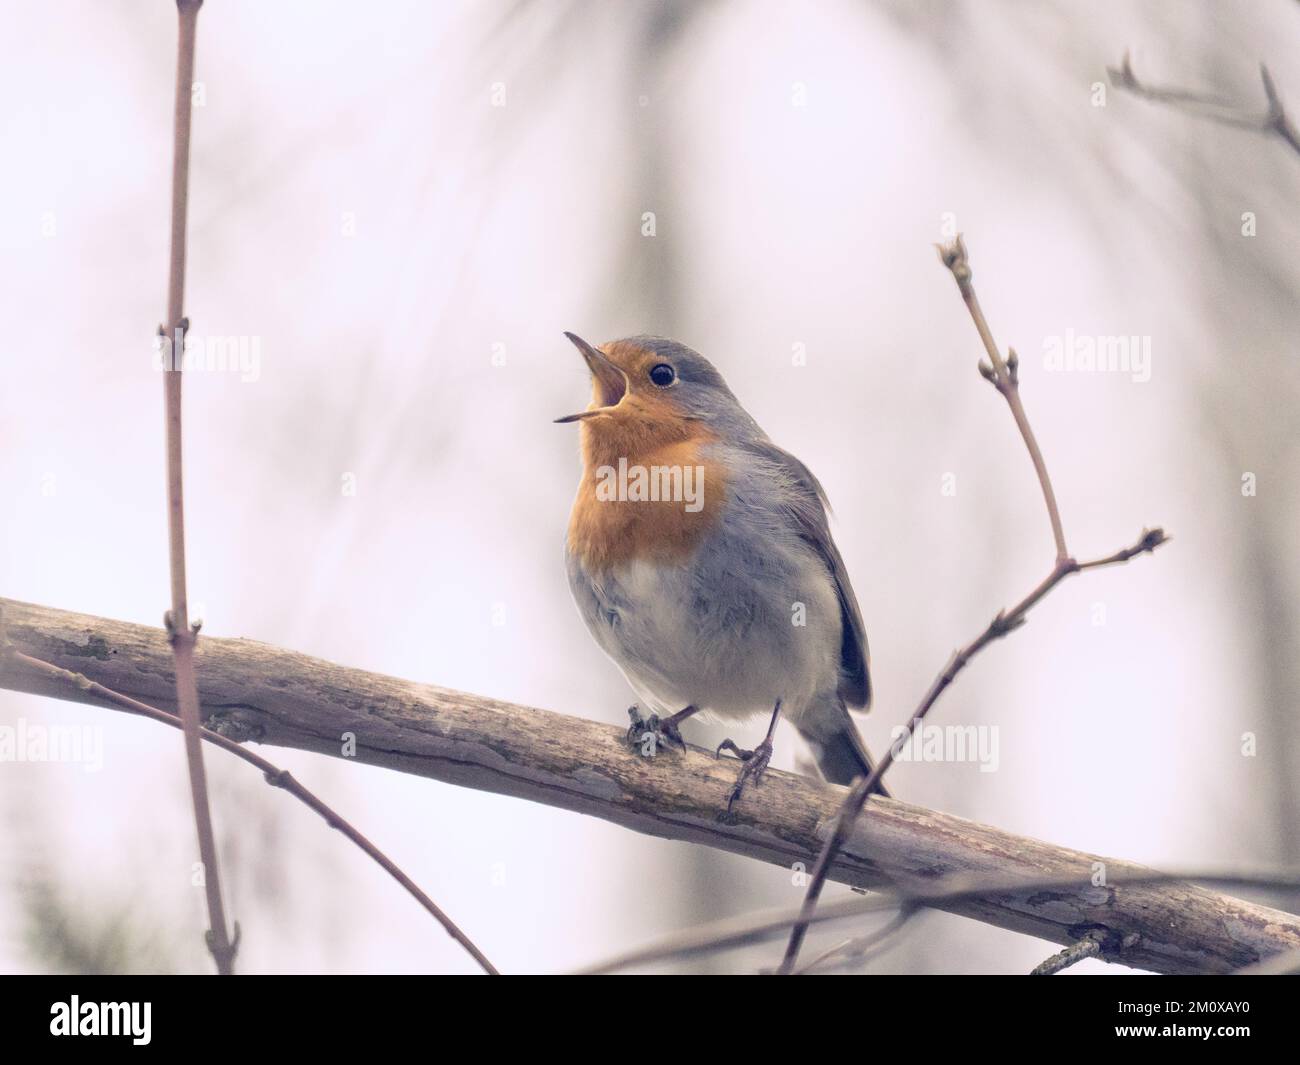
[(701, 561)]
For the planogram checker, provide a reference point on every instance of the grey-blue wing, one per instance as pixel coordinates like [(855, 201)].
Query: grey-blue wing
[(804, 500)]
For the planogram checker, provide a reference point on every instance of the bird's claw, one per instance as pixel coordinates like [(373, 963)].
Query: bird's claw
[(648, 734), (755, 765), (730, 745)]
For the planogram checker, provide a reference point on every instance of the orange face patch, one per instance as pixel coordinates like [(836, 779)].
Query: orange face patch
[(646, 490)]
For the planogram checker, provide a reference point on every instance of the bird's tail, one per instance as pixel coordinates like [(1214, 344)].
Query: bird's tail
[(841, 755)]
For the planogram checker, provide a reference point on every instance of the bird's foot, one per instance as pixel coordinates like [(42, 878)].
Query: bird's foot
[(648, 734), (755, 765)]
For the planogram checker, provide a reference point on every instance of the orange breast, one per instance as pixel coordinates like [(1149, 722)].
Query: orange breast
[(616, 518)]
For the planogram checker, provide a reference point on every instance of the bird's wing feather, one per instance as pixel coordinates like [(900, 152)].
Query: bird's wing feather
[(804, 500)]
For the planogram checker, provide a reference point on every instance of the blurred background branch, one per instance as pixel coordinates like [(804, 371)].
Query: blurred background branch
[(754, 928), (1273, 120)]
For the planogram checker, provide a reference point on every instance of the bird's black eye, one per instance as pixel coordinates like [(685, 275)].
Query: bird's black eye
[(662, 375)]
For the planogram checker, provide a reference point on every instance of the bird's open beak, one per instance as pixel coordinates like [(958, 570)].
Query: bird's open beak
[(611, 382)]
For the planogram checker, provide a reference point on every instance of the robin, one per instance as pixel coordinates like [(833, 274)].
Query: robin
[(701, 561)]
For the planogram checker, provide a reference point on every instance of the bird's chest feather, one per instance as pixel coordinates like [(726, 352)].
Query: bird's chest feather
[(715, 631), (654, 505), (695, 602)]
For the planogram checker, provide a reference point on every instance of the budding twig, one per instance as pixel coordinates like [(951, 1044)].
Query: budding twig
[(1004, 374), (183, 635)]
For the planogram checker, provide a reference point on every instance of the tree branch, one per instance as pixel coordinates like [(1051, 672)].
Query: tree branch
[(1273, 121), (1089, 946), (273, 774), (183, 635), (252, 691), (1004, 375), (752, 928)]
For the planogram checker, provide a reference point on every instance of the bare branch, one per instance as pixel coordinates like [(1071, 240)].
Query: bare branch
[(183, 636), (1005, 377), (274, 775), (1273, 122), (860, 949), (251, 691), (748, 929), (1089, 946)]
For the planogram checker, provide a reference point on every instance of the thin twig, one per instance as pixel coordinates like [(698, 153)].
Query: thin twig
[(1274, 120), (178, 622), (1005, 377), (276, 777), (734, 932), (859, 949), (1089, 946)]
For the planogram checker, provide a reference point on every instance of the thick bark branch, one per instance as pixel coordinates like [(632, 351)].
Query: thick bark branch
[(253, 691)]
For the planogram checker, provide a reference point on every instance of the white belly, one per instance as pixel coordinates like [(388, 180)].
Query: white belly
[(731, 651)]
